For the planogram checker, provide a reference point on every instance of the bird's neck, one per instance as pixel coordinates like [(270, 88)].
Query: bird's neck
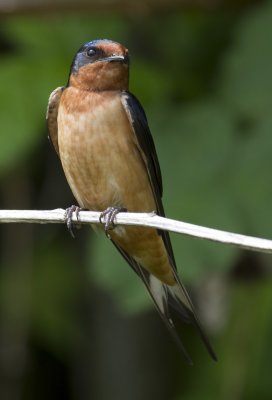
[(101, 76)]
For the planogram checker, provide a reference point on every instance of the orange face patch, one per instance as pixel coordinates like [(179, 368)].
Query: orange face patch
[(102, 75), (112, 48)]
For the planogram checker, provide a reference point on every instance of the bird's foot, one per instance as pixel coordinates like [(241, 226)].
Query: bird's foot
[(108, 218), (68, 217)]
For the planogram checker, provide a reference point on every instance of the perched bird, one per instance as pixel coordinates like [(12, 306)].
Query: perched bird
[(101, 134)]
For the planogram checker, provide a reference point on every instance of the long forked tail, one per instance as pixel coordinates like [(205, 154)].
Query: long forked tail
[(170, 300), (174, 299), (179, 301)]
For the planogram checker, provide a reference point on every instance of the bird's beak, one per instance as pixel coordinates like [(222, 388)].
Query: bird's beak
[(116, 57)]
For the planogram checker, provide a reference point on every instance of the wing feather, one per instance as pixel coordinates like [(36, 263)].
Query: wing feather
[(175, 297), (144, 140), (52, 116)]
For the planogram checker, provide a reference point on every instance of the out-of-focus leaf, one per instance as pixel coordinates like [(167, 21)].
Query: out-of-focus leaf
[(195, 146), (252, 181), (110, 271), (141, 73), (243, 359), (55, 289), (246, 90), (246, 82)]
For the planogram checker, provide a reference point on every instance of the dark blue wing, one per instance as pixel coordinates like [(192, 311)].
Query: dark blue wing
[(145, 141), (139, 122)]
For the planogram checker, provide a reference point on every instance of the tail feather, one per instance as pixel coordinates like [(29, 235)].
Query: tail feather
[(175, 298), (159, 293), (169, 301), (183, 306)]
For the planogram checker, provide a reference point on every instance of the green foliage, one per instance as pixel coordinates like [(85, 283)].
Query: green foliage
[(205, 82), (244, 359), (55, 291)]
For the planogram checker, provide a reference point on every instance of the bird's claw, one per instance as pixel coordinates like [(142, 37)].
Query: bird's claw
[(68, 217), (108, 218)]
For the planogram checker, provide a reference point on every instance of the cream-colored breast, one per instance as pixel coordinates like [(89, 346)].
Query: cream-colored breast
[(99, 156)]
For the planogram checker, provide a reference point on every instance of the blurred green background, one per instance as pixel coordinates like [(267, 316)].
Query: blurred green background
[(75, 322)]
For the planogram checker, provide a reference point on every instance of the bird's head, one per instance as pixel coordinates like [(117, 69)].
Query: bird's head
[(100, 65)]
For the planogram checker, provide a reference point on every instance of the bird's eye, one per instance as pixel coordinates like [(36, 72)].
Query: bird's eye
[(91, 52)]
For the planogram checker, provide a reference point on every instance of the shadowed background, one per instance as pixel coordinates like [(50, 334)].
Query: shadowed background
[(75, 322)]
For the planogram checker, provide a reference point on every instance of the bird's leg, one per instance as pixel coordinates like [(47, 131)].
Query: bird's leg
[(68, 217), (108, 218)]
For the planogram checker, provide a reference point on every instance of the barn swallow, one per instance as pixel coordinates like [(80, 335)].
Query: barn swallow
[(101, 134)]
